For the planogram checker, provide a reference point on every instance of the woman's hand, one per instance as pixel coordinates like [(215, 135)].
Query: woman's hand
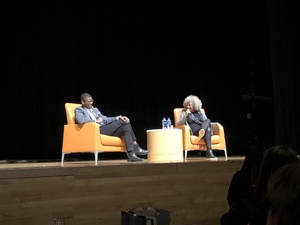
[(187, 112)]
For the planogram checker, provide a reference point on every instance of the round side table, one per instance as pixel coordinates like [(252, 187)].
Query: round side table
[(165, 145)]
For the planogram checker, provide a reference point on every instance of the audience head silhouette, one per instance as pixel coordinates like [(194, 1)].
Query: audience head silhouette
[(283, 196), (274, 158)]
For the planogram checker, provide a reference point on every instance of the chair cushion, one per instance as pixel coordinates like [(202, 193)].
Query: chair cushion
[(111, 140), (215, 139)]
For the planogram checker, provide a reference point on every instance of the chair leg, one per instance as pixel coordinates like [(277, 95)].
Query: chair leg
[(62, 159), (185, 154), (225, 152), (96, 158)]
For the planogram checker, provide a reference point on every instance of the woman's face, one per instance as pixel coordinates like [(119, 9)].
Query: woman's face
[(190, 107)]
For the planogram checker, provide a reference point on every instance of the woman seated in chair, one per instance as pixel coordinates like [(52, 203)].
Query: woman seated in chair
[(197, 121)]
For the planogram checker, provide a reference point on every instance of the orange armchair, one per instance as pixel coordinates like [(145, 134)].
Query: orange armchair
[(79, 138), (191, 142)]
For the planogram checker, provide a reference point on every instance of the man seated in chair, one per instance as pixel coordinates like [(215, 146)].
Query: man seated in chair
[(197, 121), (118, 126)]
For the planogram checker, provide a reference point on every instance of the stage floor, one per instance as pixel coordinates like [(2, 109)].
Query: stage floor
[(37, 192), (22, 164)]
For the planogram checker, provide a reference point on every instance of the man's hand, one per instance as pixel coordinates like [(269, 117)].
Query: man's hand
[(99, 120), (124, 118)]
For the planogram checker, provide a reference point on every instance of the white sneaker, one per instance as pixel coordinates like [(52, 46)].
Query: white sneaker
[(212, 159)]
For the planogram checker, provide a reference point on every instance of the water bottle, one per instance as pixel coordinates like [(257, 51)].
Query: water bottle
[(164, 123), (169, 123)]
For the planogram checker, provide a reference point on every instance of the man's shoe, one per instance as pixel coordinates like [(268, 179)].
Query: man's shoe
[(210, 155), (131, 157), (140, 151)]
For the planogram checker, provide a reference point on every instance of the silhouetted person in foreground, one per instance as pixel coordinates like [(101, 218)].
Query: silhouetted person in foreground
[(253, 210), (283, 196)]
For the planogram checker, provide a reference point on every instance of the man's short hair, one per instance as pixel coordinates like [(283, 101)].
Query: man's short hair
[(84, 96)]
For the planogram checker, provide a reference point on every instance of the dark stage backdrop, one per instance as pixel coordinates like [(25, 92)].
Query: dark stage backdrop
[(136, 59)]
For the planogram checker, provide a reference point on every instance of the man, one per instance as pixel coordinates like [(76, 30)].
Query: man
[(118, 126)]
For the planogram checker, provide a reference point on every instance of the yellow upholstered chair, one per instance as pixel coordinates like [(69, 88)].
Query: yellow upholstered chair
[(86, 137), (191, 142)]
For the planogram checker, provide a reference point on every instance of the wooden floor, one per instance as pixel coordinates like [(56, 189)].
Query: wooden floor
[(35, 192)]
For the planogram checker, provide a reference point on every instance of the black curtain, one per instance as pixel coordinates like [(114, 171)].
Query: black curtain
[(284, 42), (139, 60)]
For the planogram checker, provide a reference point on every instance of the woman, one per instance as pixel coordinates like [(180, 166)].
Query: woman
[(253, 210), (199, 124)]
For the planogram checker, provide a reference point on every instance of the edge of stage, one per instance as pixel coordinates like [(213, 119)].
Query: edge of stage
[(35, 192)]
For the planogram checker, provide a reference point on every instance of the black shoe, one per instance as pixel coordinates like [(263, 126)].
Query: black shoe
[(210, 155), (140, 151), (131, 157)]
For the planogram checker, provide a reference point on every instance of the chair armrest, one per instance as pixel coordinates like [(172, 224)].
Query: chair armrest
[(217, 128), (79, 136), (186, 134)]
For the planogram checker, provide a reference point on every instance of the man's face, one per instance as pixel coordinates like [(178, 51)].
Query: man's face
[(88, 102)]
